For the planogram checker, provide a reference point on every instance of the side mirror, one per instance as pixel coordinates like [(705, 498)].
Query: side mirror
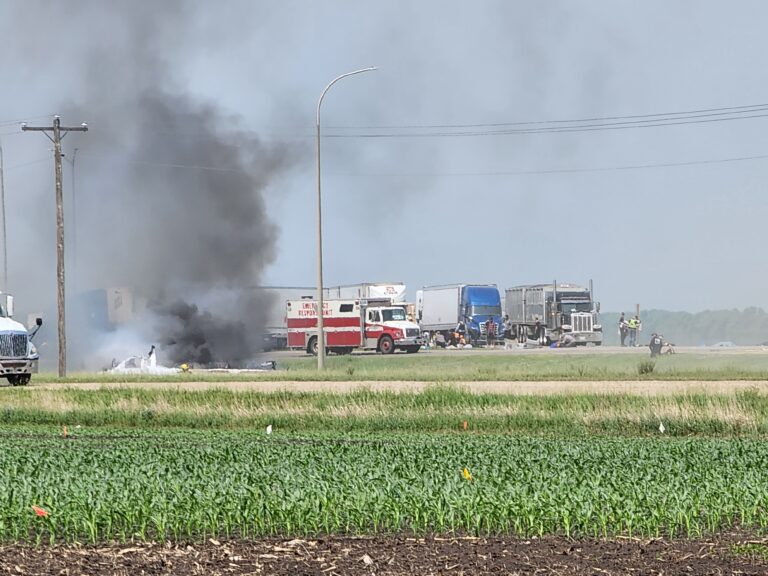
[(38, 323), (9, 306)]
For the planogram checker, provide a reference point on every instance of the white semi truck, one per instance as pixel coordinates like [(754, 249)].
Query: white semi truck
[(18, 356)]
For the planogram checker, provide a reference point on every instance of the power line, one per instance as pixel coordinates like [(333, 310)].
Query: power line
[(661, 119), (172, 165), (559, 129), (733, 109), (22, 120), (205, 167), (572, 170)]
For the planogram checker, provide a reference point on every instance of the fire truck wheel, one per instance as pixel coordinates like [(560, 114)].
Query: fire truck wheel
[(312, 346), (386, 345)]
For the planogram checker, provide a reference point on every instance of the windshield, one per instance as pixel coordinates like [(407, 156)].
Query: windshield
[(390, 314), (486, 310), (576, 306)]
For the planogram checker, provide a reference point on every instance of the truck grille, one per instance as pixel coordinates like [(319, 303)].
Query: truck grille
[(412, 332), (581, 322), (13, 345)]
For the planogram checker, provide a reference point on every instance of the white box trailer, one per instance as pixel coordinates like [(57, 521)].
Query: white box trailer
[(394, 291), (438, 307), (275, 327)]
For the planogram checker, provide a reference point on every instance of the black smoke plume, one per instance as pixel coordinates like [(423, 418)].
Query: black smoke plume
[(170, 187), (198, 337)]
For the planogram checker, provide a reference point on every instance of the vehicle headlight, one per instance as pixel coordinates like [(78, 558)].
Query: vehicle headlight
[(32, 349)]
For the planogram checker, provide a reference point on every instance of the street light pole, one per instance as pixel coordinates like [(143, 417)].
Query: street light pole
[(5, 235), (320, 332)]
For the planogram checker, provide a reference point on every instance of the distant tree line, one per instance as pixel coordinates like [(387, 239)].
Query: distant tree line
[(746, 327)]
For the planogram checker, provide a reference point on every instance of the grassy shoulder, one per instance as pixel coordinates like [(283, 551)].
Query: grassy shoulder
[(475, 366), (438, 408)]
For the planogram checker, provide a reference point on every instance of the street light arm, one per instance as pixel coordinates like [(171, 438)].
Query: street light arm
[(332, 82)]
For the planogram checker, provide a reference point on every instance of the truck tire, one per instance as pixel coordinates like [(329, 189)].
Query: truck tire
[(386, 345), (312, 346), (412, 349)]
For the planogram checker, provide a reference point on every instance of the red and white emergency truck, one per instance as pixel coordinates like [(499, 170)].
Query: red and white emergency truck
[(352, 325)]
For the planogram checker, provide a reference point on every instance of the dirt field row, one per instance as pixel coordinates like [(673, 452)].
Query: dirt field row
[(399, 556), (642, 388)]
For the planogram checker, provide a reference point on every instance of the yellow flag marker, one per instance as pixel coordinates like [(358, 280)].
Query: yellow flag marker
[(467, 474)]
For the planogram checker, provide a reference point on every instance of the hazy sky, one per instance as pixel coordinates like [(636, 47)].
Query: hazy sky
[(426, 206)]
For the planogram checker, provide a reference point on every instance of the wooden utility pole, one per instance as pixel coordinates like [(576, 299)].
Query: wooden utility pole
[(55, 133)]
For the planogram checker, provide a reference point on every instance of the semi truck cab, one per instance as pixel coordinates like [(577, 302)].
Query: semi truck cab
[(392, 322), (478, 305), (18, 356)]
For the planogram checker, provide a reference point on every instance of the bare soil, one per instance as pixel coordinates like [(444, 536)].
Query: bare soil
[(399, 555), (635, 387)]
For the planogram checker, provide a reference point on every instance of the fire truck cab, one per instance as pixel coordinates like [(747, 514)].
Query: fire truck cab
[(352, 325)]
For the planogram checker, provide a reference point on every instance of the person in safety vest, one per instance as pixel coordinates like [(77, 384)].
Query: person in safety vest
[(633, 325), (623, 330)]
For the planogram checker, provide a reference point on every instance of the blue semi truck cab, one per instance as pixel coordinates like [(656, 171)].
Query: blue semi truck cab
[(478, 304), (443, 308)]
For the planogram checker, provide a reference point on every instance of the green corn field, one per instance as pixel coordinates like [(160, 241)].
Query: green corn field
[(104, 485)]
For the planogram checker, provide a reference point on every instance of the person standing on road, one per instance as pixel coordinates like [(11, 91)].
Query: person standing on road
[(633, 325), (623, 329), (507, 328), (655, 345), (490, 331)]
